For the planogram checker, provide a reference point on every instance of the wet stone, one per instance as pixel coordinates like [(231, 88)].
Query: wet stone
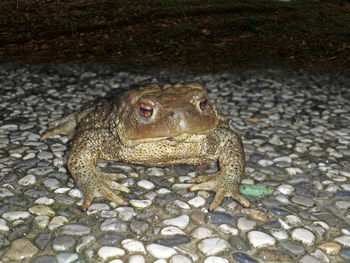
[(173, 240), (279, 211), (66, 257), (212, 246), (160, 181), (19, 231), (139, 227), (243, 258), (112, 224), (8, 178), (270, 255), (44, 259), (342, 194), (220, 218), (35, 193), (292, 247), (18, 200), (20, 249), (75, 230), (110, 239), (168, 197), (345, 253), (62, 199), (63, 243), (42, 240), (159, 251), (302, 200), (239, 243)]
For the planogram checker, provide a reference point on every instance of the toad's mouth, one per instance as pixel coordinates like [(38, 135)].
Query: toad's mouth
[(166, 140)]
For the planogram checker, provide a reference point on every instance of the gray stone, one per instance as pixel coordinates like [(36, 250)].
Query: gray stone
[(173, 240), (63, 243), (292, 247), (139, 227), (110, 239), (238, 243), (220, 218), (42, 240), (44, 259)]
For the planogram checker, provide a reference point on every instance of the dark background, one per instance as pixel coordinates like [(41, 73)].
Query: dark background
[(202, 35)]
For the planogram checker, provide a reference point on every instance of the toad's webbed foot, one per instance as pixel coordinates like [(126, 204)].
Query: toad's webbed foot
[(222, 185), (64, 126), (102, 185)]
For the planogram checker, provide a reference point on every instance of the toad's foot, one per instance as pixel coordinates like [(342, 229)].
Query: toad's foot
[(102, 185), (222, 185), (64, 126)]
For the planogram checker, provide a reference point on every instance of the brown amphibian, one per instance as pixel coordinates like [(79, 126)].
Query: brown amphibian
[(152, 126)]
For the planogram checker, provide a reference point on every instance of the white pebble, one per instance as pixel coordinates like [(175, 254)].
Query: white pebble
[(29, 156), (260, 239), (182, 204), (180, 221), (62, 190), (96, 208), (293, 171), (279, 234), (212, 246), (84, 242), (154, 171), (202, 232), (51, 183), (15, 215), (137, 259), (44, 201), (107, 252), (285, 189), (57, 221), (159, 251), (282, 199), (171, 230), (140, 203), (75, 193), (179, 259), (41, 221), (145, 184), (4, 192), (264, 162), (293, 220), (133, 246), (283, 159), (197, 201), (27, 180), (3, 225), (344, 240), (214, 259), (125, 213), (163, 191), (304, 236), (228, 229), (244, 224)]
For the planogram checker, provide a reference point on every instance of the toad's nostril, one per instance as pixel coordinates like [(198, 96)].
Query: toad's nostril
[(172, 114)]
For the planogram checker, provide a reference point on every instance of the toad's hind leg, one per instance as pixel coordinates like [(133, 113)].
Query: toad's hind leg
[(64, 126)]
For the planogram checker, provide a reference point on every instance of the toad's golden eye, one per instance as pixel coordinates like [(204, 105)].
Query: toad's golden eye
[(146, 110), (203, 103)]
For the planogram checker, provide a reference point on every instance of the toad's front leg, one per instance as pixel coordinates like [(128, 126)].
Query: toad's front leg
[(231, 163), (89, 147)]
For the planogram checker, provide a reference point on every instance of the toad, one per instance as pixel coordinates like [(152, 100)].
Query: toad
[(152, 126)]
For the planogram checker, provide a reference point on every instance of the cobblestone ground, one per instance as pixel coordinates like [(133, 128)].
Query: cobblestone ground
[(295, 127)]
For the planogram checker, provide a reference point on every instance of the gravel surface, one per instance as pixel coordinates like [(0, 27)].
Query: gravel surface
[(296, 132)]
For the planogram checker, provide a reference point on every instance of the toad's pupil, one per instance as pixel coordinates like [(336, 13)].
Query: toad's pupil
[(203, 103), (146, 111)]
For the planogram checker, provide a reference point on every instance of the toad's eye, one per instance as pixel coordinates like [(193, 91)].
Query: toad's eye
[(203, 103), (145, 110)]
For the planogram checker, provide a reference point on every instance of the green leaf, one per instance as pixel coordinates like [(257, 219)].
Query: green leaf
[(256, 190)]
